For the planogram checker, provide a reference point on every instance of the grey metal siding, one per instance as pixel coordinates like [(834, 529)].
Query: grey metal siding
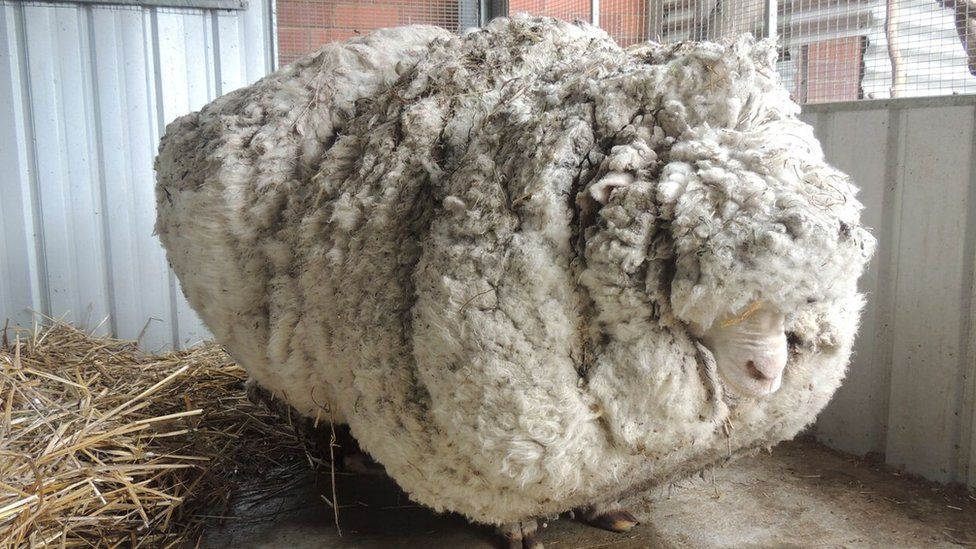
[(910, 390), (85, 91)]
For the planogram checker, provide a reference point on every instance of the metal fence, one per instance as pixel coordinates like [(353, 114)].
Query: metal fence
[(873, 49), (304, 25), (830, 50)]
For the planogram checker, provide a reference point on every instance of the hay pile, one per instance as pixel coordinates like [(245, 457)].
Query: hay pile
[(104, 445)]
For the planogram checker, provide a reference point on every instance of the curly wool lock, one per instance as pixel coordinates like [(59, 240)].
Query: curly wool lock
[(485, 253)]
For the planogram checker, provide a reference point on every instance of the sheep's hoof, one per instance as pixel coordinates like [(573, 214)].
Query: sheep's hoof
[(520, 535), (615, 520)]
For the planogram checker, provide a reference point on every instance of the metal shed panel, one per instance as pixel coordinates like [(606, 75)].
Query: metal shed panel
[(67, 187), (929, 328), (21, 280), (856, 419), (127, 137), (911, 389), (85, 92), (185, 62)]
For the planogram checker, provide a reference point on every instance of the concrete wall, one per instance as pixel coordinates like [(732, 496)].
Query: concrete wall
[(910, 392), (85, 92)]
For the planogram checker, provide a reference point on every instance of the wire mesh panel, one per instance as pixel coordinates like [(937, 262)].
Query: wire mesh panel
[(823, 43), (305, 25), (676, 20), (924, 48), (569, 10), (628, 21), (830, 50), (633, 21), (836, 50)]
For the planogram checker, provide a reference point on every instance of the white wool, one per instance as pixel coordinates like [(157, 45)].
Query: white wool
[(396, 231)]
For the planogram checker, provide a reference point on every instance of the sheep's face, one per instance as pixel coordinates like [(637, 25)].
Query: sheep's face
[(750, 350)]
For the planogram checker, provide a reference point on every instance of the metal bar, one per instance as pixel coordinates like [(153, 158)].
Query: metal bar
[(195, 4), (893, 35), (595, 12), (900, 103), (468, 14), (772, 7), (969, 358), (272, 29), (655, 21), (491, 9), (803, 39)]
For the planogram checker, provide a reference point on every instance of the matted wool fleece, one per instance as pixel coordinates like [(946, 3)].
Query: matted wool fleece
[(483, 253)]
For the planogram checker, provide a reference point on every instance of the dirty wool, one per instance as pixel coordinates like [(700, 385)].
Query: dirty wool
[(483, 253)]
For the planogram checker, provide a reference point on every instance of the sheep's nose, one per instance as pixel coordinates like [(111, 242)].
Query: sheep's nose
[(756, 373)]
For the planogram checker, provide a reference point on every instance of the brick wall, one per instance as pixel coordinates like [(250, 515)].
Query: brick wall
[(305, 25)]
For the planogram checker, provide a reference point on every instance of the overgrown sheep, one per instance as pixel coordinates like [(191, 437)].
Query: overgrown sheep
[(531, 271)]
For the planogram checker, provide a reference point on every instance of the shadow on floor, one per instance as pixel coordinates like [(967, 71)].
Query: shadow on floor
[(803, 495)]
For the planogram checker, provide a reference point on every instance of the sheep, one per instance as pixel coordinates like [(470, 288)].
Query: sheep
[(750, 351), (531, 271)]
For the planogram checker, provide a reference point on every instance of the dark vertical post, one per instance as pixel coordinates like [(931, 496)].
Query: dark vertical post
[(491, 9)]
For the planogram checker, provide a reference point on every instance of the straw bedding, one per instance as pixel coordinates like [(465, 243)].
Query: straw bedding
[(104, 445)]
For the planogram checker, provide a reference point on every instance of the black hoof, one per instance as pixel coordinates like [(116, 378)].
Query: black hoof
[(520, 535)]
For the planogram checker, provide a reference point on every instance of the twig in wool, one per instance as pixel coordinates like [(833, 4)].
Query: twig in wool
[(332, 445), (312, 101), (751, 310), (728, 427), (472, 298)]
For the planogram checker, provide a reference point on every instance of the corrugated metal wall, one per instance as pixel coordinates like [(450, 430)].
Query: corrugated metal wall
[(911, 390), (84, 93)]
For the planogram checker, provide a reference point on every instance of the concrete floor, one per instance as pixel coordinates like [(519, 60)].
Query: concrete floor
[(802, 495)]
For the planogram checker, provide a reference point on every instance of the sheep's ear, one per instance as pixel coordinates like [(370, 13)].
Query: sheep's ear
[(600, 191)]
